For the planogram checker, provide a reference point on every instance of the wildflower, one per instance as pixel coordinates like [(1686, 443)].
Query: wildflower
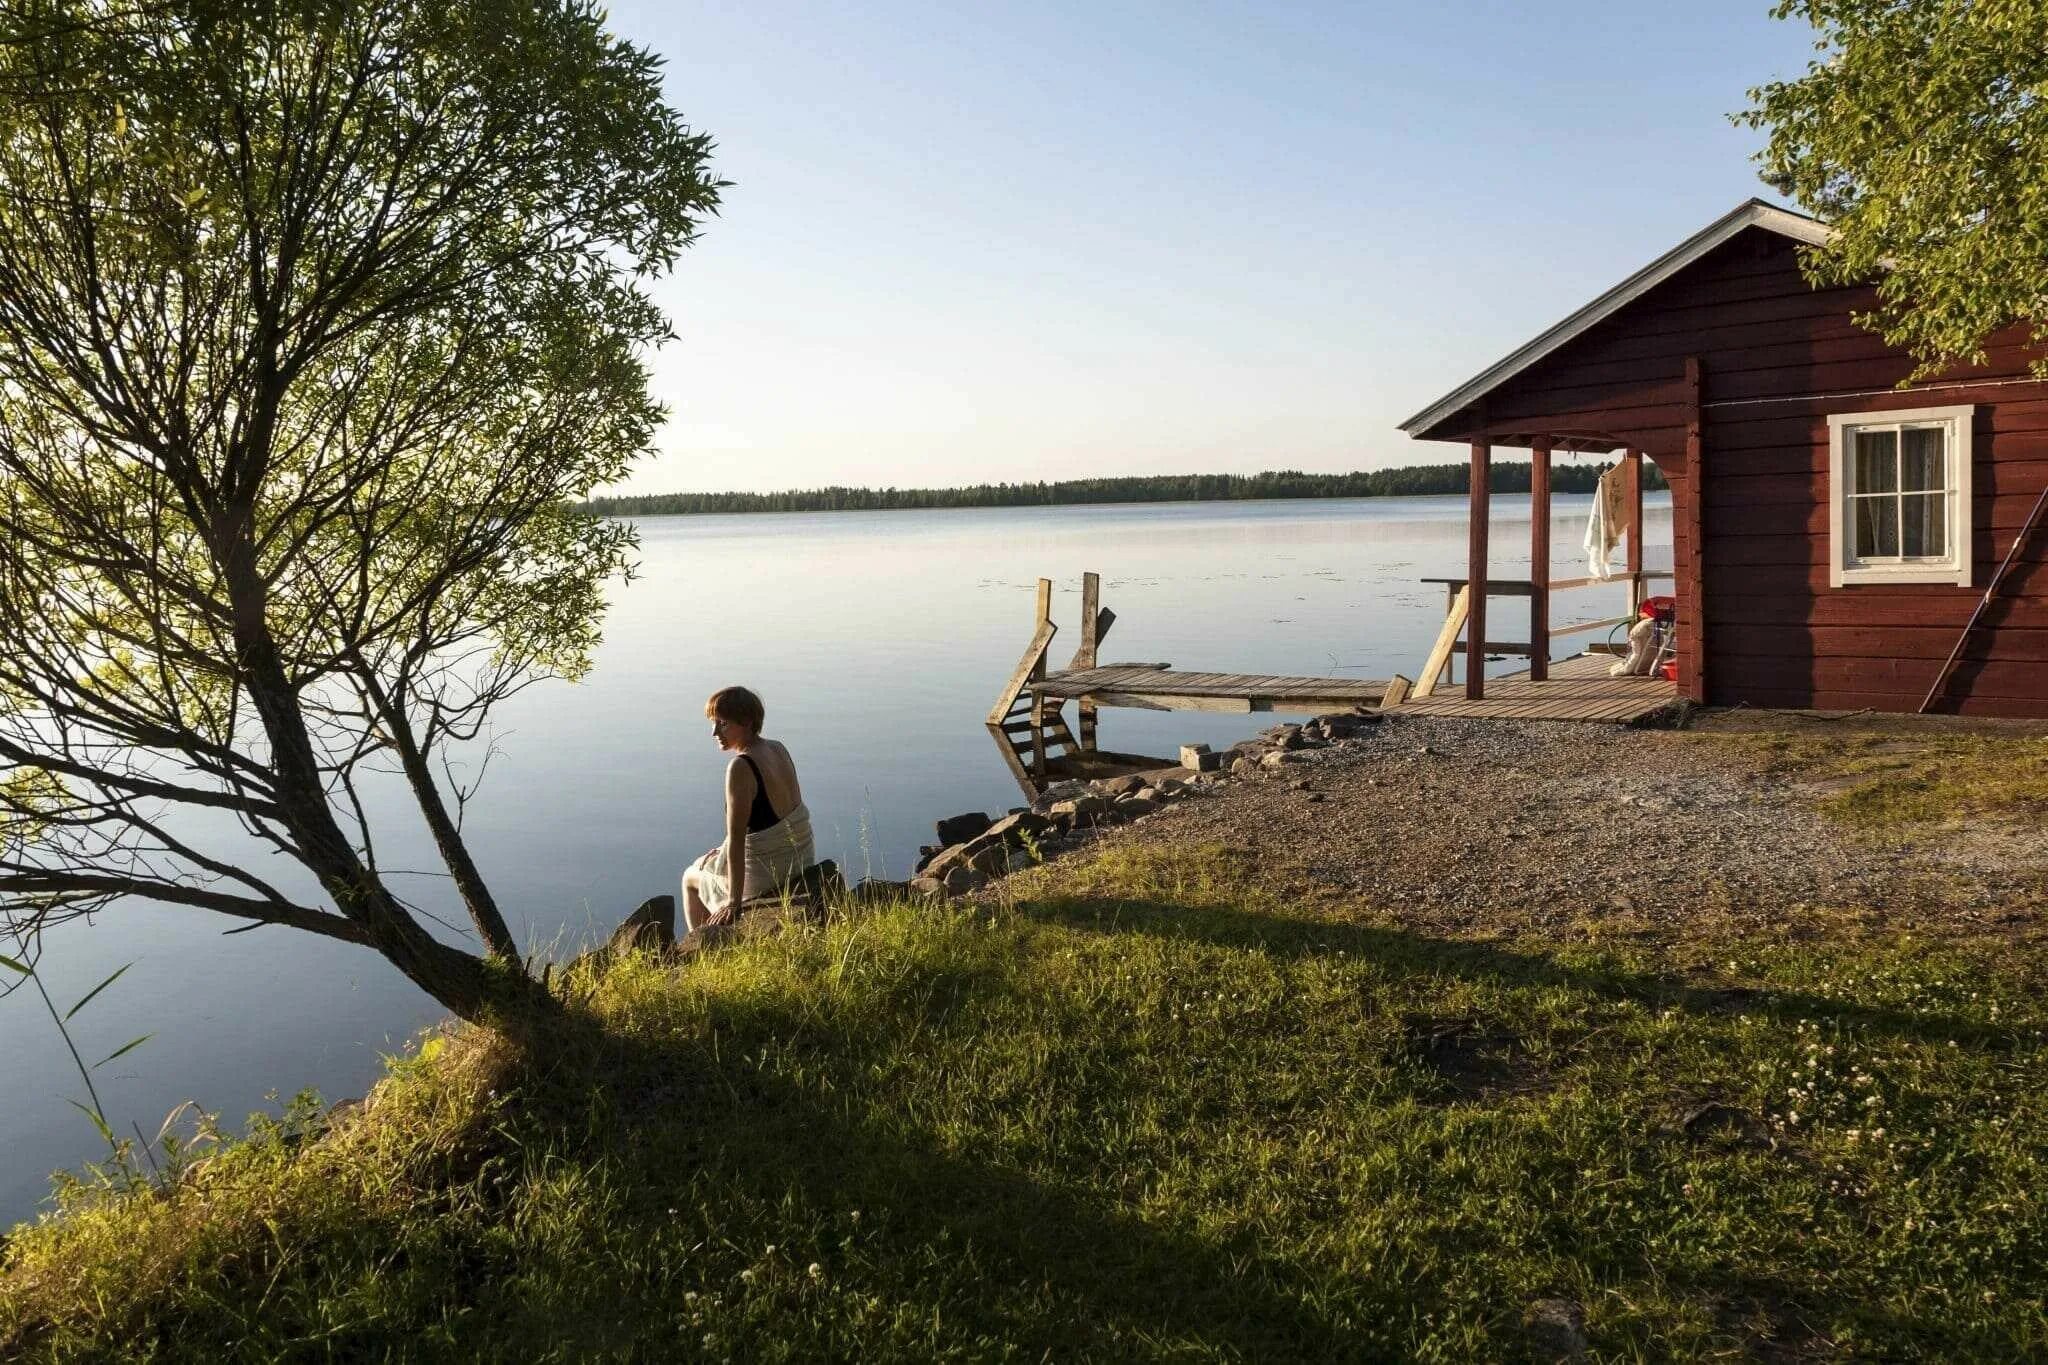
[(816, 1271)]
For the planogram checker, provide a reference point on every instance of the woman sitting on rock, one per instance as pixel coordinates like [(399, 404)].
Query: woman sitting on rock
[(767, 830)]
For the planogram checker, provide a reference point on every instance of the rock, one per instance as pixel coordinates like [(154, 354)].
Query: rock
[(650, 928), (1299, 784), (877, 891), (1200, 758), (1245, 766), (1147, 794), (1556, 1328), (1120, 786), (925, 854), (1280, 758), (958, 829), (1314, 798), (1013, 829), (1426, 750), (1058, 792), (1081, 811), (1290, 737), (945, 862), (930, 888), (1131, 807), (990, 860), (961, 879)]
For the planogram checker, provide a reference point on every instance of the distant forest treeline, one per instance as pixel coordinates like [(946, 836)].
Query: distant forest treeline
[(1413, 480)]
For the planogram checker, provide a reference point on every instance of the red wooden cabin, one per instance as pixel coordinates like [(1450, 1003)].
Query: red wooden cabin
[(1833, 533)]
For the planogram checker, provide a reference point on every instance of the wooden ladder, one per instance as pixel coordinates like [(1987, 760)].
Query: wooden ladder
[(1025, 725)]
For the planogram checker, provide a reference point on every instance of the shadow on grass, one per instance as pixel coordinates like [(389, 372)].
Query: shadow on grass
[(710, 1156), (1292, 937)]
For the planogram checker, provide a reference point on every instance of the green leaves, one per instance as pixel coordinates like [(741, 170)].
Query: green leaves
[(88, 996), (1921, 135), (312, 318)]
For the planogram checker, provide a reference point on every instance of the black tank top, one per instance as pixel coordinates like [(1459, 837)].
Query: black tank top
[(762, 815)]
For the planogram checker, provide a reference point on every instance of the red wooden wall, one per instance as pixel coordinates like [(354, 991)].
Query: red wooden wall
[(1775, 633)]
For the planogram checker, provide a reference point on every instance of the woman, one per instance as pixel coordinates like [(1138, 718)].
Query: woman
[(767, 830)]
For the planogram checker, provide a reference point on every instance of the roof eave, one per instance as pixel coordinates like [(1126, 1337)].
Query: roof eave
[(1755, 213)]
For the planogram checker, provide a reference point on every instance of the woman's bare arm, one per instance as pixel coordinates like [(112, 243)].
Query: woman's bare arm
[(739, 799)]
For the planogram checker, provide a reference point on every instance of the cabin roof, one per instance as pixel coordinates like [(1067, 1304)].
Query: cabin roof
[(1754, 213)]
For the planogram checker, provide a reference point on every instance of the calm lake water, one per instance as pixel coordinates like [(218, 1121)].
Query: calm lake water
[(877, 640)]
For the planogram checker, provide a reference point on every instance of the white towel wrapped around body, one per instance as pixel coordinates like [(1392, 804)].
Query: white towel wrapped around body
[(776, 856)]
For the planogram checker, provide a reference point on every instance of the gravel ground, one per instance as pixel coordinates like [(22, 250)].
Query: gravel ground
[(1464, 827)]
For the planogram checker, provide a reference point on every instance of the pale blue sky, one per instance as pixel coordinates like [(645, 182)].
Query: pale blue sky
[(970, 242)]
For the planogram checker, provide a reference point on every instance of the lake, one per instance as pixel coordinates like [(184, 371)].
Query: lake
[(877, 640)]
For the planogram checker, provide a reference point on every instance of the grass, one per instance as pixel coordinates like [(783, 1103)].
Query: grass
[(1891, 781), (1144, 1113)]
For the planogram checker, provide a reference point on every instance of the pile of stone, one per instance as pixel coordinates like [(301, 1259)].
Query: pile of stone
[(974, 848)]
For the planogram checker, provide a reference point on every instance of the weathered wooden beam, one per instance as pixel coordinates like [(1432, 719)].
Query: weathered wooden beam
[(1092, 627), (1396, 693), (1439, 659), (1633, 488), (1692, 574), (1475, 556), (1539, 562)]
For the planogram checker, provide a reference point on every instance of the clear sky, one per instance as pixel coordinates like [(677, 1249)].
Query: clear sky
[(972, 242)]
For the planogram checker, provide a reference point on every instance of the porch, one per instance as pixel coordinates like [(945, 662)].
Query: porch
[(1577, 684)]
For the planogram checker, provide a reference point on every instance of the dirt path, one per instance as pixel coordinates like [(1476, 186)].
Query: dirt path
[(1484, 827)]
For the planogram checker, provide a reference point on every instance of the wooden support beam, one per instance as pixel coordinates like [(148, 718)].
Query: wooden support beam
[(1397, 692), (1539, 562), (1632, 486), (1092, 626), (1475, 604), (1439, 660), (1037, 676), (1692, 663)]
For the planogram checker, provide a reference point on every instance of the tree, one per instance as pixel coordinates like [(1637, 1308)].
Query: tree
[(1922, 137), (315, 316)]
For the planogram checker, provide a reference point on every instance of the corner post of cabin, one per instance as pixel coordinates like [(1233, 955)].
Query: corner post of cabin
[(1091, 606), (1038, 757), (1475, 619), (1690, 568), (1633, 483), (1539, 561)]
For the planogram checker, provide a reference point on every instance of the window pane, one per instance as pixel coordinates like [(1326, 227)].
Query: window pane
[(1877, 527), (1922, 465), (1924, 528), (1877, 461)]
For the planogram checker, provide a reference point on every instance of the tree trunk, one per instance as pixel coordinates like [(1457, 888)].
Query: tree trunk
[(481, 992)]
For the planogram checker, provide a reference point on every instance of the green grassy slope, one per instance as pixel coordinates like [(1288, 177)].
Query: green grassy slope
[(1146, 1113)]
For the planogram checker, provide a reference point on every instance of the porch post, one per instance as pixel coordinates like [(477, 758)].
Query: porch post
[(1475, 617), (1539, 561), (1634, 485)]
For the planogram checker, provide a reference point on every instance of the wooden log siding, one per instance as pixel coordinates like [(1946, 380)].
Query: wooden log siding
[(1775, 357)]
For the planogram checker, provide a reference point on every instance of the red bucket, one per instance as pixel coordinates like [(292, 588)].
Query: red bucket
[(1660, 608)]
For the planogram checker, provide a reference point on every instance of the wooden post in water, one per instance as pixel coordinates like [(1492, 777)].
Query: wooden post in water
[(1539, 561), (1091, 603), (1475, 609), (1038, 758)]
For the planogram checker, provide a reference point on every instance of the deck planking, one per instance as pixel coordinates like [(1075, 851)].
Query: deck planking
[(1165, 689), (1578, 689)]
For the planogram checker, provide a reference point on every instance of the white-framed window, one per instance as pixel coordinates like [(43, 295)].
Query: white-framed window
[(1899, 497)]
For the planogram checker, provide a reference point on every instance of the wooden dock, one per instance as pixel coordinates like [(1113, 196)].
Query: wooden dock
[(1577, 689), (1028, 721), (1158, 687)]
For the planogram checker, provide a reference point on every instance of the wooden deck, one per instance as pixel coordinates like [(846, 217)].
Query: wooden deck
[(1577, 689), (1158, 687)]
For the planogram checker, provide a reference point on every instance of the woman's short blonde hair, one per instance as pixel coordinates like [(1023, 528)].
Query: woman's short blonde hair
[(737, 705)]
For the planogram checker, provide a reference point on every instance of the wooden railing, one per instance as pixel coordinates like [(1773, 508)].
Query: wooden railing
[(1457, 610)]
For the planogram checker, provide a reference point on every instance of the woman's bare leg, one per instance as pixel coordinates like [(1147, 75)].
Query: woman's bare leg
[(695, 912)]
